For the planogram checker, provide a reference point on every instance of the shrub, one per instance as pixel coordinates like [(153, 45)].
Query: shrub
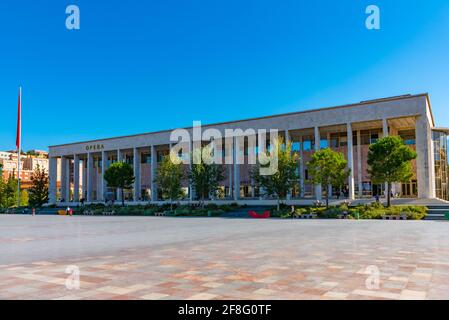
[(332, 212), (412, 212), (377, 211)]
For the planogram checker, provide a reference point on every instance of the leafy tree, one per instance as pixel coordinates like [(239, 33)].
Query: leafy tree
[(10, 193), (389, 161), (2, 187), (284, 179), (120, 175), (205, 176), (38, 192), (328, 167), (24, 198), (168, 177)]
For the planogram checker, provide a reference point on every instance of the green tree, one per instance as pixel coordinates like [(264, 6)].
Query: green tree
[(205, 176), (2, 187), (38, 192), (286, 176), (389, 161), (10, 193), (328, 167), (24, 198), (168, 178), (120, 175)]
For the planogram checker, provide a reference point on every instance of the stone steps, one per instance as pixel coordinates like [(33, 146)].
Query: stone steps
[(437, 212)]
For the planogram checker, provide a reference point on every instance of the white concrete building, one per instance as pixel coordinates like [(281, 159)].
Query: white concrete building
[(349, 129)]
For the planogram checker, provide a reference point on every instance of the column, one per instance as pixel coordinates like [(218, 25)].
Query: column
[(329, 187), (350, 162), (136, 166), (53, 177), (230, 181), (425, 161), (287, 141), (104, 184), (385, 127), (301, 168), (191, 193), (119, 159), (67, 180), (385, 134), (153, 173), (236, 170), (89, 178), (63, 193), (84, 189), (318, 191), (359, 163), (76, 178)]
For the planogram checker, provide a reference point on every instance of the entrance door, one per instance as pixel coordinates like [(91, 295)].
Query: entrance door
[(410, 190), (378, 189)]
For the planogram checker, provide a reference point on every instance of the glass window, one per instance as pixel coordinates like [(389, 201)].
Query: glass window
[(307, 143), (129, 159), (408, 136), (374, 137), (440, 164), (323, 143), (365, 137), (295, 146), (145, 158), (161, 154), (334, 143), (343, 140)]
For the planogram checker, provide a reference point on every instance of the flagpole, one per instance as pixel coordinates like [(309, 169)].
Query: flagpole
[(19, 143)]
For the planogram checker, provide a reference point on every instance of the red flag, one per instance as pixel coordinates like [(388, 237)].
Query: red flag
[(19, 120)]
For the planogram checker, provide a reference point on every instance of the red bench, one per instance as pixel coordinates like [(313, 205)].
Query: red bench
[(255, 215)]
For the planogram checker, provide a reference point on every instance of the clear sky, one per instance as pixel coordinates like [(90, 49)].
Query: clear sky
[(139, 66)]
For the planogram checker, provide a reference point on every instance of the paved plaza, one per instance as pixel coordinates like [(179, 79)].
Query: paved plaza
[(215, 258)]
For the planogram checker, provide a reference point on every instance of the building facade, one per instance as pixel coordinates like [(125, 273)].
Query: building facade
[(349, 129), (28, 164)]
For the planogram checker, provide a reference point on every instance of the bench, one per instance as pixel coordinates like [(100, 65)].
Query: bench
[(159, 214), (88, 213), (395, 217), (307, 216), (109, 213), (255, 215)]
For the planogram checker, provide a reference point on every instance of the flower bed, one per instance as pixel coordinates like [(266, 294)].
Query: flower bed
[(370, 211)]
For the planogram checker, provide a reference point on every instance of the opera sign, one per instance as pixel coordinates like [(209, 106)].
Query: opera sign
[(94, 147)]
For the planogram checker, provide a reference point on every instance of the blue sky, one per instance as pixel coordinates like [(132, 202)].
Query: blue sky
[(139, 66)]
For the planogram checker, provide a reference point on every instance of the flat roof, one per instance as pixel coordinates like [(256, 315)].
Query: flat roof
[(365, 102)]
